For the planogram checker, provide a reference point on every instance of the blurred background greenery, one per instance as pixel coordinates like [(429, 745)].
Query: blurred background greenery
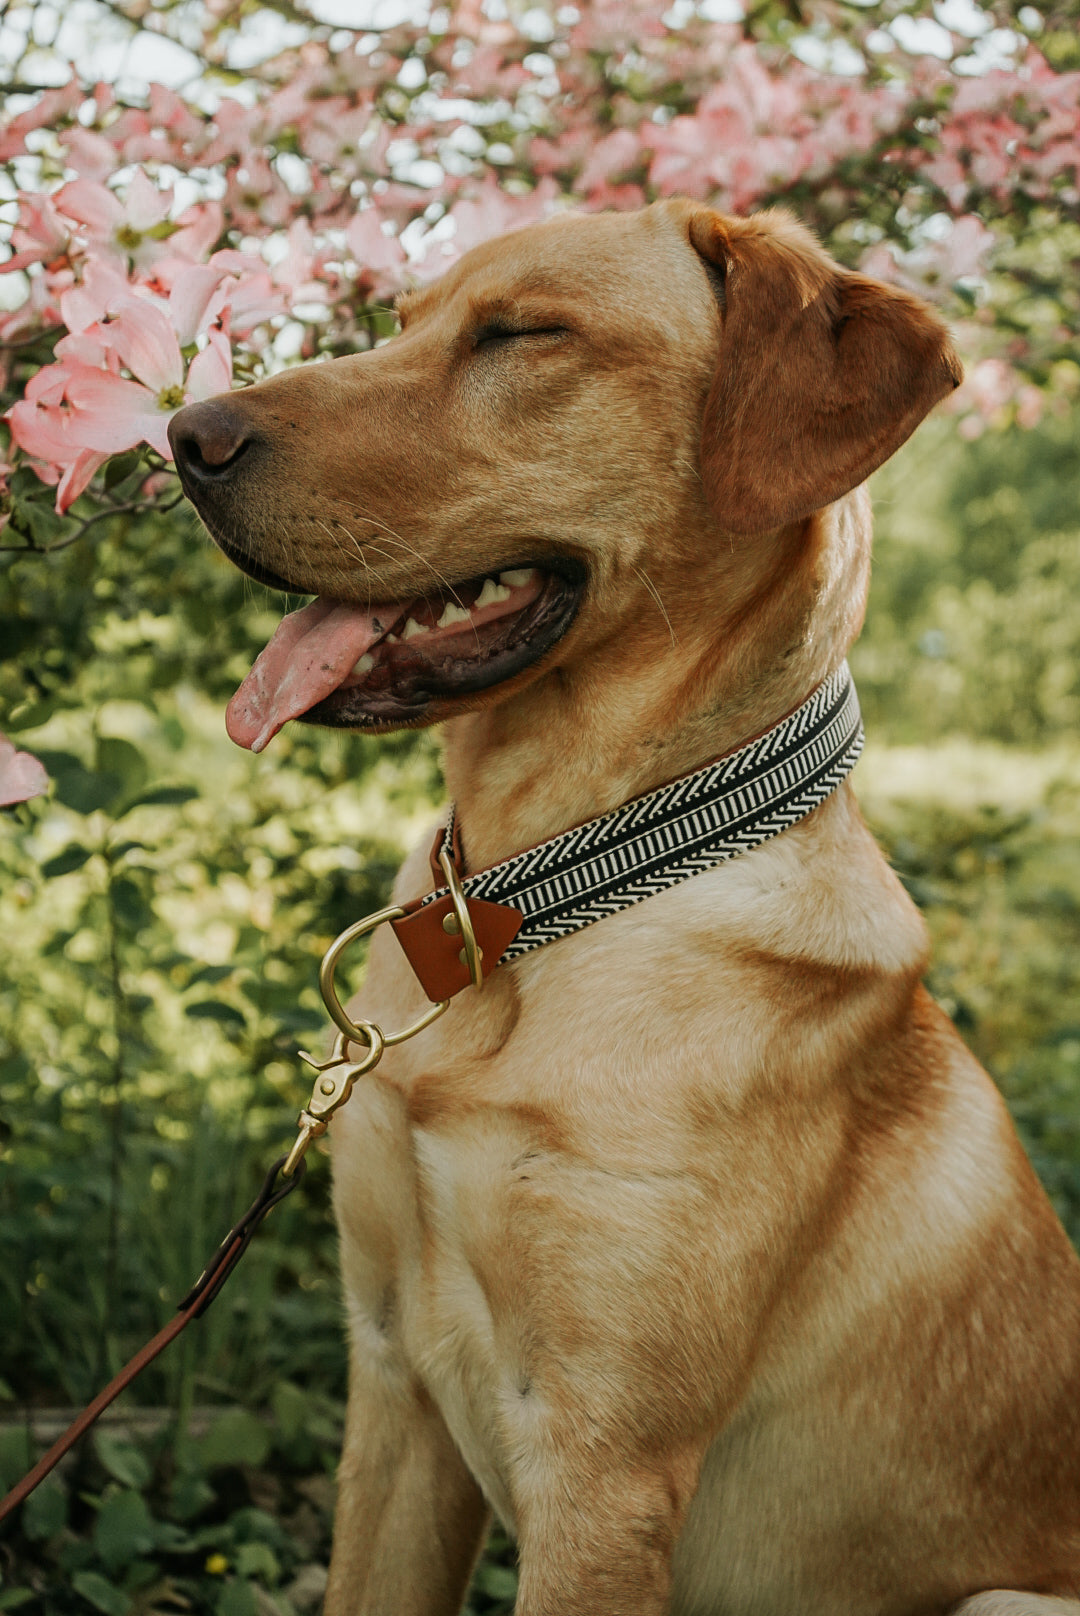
[(164, 912)]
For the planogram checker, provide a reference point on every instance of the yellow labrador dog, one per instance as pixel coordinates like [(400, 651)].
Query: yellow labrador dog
[(696, 1245)]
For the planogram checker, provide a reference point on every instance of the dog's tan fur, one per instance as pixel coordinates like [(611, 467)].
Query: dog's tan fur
[(697, 1246)]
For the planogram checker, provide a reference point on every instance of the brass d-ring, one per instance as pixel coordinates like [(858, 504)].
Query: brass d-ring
[(366, 1032), (472, 950)]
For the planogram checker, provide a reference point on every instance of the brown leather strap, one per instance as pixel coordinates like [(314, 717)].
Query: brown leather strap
[(89, 1414), (457, 852), (436, 955), (196, 1301)]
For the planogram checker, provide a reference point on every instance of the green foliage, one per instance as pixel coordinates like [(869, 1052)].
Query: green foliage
[(1000, 889), (169, 903), (237, 1519), (974, 620)]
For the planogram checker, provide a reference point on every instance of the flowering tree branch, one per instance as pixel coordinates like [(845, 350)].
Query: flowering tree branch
[(274, 222), (108, 509)]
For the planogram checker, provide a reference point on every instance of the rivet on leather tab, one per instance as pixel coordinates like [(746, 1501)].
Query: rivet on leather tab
[(435, 953)]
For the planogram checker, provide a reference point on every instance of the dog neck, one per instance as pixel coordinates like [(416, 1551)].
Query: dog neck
[(735, 648)]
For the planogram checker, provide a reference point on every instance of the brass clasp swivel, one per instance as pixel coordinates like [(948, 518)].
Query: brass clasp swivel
[(334, 1078), (333, 1085)]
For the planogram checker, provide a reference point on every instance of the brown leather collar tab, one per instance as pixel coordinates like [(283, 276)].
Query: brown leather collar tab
[(437, 956), (435, 951)]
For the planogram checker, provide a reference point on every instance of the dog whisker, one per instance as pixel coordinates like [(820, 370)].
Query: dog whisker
[(380, 551), (370, 572), (390, 536), (655, 593), (394, 537)]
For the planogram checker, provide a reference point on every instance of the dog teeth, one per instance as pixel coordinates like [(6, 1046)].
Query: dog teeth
[(392, 639), (452, 614), (365, 664), (412, 628), (518, 577), (491, 594)]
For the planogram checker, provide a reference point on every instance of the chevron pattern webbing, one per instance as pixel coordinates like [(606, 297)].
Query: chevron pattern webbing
[(690, 825)]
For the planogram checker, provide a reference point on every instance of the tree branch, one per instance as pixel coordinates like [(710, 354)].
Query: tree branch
[(86, 524)]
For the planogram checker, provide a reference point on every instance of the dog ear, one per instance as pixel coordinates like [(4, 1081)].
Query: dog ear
[(822, 374)]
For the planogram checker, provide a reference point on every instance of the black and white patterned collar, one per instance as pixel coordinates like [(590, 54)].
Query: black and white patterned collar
[(668, 835)]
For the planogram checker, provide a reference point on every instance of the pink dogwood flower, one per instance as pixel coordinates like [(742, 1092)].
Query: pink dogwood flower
[(40, 237), (102, 290), (21, 775), (114, 414), (53, 106), (131, 228), (76, 414), (609, 105)]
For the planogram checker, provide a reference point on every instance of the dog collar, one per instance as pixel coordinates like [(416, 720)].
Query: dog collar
[(648, 844)]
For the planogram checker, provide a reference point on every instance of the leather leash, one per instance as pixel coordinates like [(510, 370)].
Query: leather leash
[(194, 1304)]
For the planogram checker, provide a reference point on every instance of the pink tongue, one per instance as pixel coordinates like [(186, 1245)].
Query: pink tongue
[(312, 652)]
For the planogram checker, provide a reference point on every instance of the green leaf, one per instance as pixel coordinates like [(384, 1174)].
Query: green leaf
[(112, 755), (173, 1539), (38, 518), (190, 1496), (498, 1582), (212, 973), (14, 1597), (77, 786), (16, 1454), (236, 1599), (17, 634), (140, 1574), (104, 1596), (128, 903), (291, 1406), (45, 1512), (15, 1069), (237, 1438), (163, 794), (31, 715), (211, 1010), (73, 857), (122, 1460), (258, 1560), (121, 466), (123, 1530), (87, 792), (56, 762)]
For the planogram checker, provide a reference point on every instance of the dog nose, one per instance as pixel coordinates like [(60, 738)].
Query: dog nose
[(209, 439)]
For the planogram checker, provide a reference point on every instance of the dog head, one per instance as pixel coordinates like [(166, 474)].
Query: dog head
[(575, 418)]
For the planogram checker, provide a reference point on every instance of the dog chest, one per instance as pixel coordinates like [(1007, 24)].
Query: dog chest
[(427, 1238)]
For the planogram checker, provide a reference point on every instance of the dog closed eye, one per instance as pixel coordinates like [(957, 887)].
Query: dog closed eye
[(496, 334)]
